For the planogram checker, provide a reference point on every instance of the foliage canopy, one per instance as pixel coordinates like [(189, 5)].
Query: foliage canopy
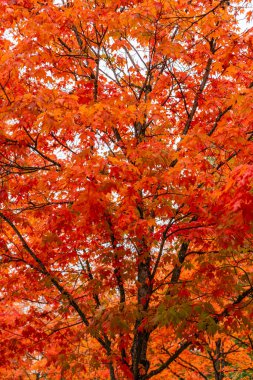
[(126, 190)]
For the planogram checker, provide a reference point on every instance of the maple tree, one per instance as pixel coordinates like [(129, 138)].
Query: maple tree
[(126, 189)]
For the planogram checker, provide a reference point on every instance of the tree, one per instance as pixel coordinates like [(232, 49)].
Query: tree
[(126, 189)]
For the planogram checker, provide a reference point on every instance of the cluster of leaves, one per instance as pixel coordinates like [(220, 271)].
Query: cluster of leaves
[(126, 197)]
